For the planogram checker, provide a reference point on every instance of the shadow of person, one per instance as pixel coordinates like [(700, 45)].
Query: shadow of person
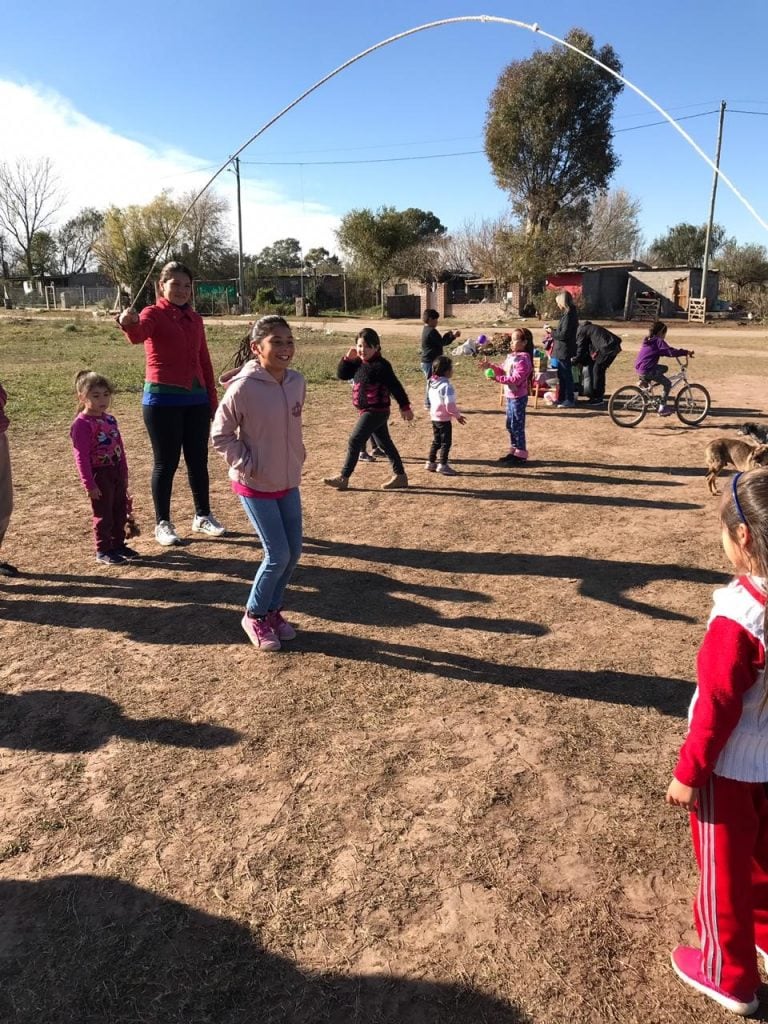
[(69, 722), (78, 948)]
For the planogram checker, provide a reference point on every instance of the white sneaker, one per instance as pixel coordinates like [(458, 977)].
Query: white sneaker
[(207, 524), (445, 470), (165, 534), (430, 466)]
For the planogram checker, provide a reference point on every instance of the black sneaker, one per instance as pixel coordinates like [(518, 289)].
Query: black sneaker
[(6, 569), (127, 553), (110, 558)]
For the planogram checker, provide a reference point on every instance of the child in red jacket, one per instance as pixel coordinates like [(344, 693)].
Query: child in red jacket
[(722, 771)]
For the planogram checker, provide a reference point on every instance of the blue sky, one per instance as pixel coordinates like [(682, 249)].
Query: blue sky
[(127, 104)]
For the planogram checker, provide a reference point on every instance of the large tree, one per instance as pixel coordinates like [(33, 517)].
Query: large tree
[(548, 130), (390, 242), (743, 264), (29, 199), (284, 254), (203, 234), (683, 245), (76, 238)]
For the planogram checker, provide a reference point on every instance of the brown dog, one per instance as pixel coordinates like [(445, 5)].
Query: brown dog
[(730, 451)]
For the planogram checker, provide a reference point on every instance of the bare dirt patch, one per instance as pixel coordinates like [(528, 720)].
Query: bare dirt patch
[(443, 803)]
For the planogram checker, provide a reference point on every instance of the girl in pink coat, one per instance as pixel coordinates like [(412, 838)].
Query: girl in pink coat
[(257, 428), (515, 375)]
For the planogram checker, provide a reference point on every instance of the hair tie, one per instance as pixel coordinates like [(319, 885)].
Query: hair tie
[(736, 501)]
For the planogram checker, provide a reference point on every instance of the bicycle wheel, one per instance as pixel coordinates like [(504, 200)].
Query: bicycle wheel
[(627, 406), (692, 404)]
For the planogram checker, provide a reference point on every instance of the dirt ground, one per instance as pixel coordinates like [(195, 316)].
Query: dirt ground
[(443, 802)]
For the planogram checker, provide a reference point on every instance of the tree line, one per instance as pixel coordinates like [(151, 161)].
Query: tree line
[(549, 142)]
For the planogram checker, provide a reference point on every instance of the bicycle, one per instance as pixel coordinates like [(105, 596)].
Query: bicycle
[(630, 404)]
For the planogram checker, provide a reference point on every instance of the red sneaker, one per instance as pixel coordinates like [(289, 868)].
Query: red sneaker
[(686, 963), (282, 629)]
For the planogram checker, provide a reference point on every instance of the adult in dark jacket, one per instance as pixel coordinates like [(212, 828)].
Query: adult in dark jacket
[(432, 345), (596, 349), (564, 348)]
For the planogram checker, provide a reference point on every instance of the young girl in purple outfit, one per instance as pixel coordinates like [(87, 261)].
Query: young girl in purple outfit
[(647, 363)]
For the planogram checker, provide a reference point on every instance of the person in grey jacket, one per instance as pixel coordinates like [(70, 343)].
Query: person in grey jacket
[(564, 348)]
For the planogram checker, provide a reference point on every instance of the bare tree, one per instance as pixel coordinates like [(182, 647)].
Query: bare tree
[(29, 199), (76, 239)]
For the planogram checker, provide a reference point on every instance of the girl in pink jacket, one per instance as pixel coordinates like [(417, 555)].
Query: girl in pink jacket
[(257, 428), (441, 395), (515, 375)]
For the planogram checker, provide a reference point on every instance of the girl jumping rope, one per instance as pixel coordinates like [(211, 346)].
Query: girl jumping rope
[(100, 460), (722, 770), (515, 375), (374, 382), (257, 428)]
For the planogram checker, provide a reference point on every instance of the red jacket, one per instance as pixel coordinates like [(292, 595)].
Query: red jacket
[(175, 347)]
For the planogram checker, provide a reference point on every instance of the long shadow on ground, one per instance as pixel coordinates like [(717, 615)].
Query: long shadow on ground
[(66, 722), (100, 951)]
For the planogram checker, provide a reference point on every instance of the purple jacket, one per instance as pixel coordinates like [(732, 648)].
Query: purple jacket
[(651, 350)]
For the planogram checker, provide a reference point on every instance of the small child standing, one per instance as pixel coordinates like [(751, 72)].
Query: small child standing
[(722, 770), (647, 363), (100, 460), (442, 411), (374, 382), (515, 375)]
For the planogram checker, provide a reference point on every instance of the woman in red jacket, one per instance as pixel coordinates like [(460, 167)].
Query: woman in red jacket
[(179, 397)]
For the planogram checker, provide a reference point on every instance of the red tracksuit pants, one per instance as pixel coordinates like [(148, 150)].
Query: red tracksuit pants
[(730, 838)]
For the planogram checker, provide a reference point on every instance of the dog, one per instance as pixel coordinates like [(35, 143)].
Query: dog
[(730, 451), (754, 430)]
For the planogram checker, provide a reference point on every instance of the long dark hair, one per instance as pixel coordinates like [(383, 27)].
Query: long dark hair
[(260, 329), (658, 329), (369, 336), (745, 503)]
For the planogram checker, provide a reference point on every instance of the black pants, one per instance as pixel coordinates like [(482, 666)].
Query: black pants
[(599, 366), (173, 429), (442, 437), (369, 423)]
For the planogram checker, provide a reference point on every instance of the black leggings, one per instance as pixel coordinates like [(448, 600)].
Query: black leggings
[(173, 429), (369, 423)]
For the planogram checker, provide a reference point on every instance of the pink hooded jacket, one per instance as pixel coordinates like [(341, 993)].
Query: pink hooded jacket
[(257, 428)]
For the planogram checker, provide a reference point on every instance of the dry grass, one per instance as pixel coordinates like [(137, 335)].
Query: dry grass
[(444, 803)]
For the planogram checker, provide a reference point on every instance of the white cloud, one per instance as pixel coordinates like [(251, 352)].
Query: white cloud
[(97, 167)]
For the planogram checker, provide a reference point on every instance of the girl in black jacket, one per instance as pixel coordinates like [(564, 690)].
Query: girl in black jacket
[(374, 382)]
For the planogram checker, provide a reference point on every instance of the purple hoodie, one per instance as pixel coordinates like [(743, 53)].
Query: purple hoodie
[(651, 350)]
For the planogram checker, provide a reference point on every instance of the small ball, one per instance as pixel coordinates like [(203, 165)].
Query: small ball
[(490, 374)]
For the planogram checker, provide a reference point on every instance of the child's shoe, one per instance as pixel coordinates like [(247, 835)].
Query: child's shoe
[(341, 483), (282, 629), (686, 963), (396, 482), (379, 452), (109, 558), (521, 454), (260, 633), (509, 457), (430, 466), (445, 470), (664, 410), (127, 553), (365, 457)]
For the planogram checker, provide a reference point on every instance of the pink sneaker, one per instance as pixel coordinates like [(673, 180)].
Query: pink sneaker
[(260, 633), (686, 963), (282, 629)]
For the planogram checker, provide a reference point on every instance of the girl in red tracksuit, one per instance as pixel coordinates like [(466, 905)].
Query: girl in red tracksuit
[(722, 771)]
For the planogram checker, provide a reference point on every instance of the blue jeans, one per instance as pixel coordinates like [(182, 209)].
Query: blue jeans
[(278, 524), (516, 421), (565, 380)]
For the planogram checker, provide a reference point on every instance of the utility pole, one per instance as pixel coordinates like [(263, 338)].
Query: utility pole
[(708, 240), (240, 275)]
